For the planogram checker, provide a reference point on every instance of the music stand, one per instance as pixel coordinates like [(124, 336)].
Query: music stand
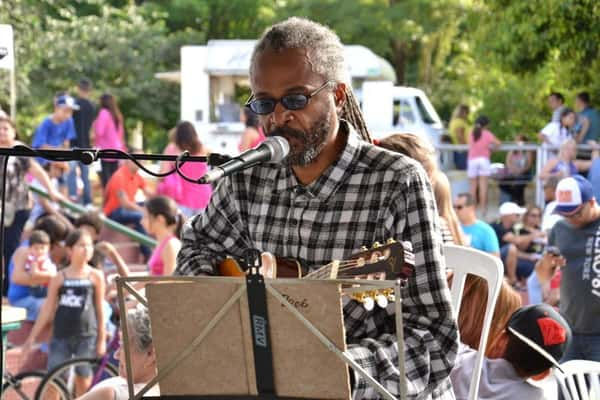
[(235, 288)]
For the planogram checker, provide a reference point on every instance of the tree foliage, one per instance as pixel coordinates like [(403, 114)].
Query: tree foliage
[(502, 57)]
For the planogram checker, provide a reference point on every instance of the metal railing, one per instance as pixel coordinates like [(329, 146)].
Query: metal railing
[(115, 226), (542, 154)]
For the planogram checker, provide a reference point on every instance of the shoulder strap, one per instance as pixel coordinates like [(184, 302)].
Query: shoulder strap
[(259, 323)]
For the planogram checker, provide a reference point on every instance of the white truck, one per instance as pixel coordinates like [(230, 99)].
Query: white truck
[(210, 75)]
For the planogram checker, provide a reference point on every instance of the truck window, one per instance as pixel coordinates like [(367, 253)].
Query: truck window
[(428, 118), (403, 114)]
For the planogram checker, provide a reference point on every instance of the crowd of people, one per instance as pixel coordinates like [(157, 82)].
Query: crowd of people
[(336, 191), (566, 129)]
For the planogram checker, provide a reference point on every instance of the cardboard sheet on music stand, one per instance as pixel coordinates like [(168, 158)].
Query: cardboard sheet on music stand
[(223, 363)]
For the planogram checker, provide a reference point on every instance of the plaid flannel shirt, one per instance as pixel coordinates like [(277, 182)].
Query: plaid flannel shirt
[(368, 194)]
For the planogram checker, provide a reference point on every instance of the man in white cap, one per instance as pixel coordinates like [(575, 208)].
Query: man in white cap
[(577, 237), (517, 263)]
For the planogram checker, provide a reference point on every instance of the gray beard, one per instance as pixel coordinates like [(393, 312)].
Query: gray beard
[(315, 142)]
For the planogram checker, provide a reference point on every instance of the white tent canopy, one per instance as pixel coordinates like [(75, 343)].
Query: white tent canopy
[(232, 58)]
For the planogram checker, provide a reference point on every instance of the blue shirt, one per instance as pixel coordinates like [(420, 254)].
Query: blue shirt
[(593, 116), (51, 134), (594, 177), (482, 237), (16, 292)]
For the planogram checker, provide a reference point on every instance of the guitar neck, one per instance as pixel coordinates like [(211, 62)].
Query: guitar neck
[(328, 271)]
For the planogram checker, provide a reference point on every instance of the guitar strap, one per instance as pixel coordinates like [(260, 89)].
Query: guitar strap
[(259, 324)]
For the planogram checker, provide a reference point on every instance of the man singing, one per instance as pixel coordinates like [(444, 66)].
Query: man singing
[(334, 193)]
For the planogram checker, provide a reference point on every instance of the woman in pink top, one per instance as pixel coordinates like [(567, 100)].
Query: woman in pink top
[(481, 142), (163, 220), (253, 135), (193, 197), (109, 133)]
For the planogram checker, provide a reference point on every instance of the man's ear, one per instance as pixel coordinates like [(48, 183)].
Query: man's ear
[(151, 354), (340, 96)]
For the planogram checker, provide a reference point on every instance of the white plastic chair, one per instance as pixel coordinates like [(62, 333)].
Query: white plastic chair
[(572, 383), (463, 261)]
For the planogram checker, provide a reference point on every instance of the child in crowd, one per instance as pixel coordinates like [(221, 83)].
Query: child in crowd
[(163, 220), (481, 142), (74, 305), (21, 281), (38, 264), (91, 222), (537, 337)]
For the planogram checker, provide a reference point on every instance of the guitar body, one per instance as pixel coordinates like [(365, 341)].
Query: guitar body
[(273, 267), (230, 267)]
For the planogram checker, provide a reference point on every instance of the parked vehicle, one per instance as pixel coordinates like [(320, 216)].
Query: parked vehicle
[(211, 76)]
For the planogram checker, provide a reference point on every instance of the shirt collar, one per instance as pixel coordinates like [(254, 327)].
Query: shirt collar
[(330, 180)]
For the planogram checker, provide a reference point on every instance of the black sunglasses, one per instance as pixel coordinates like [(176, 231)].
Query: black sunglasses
[(290, 101)]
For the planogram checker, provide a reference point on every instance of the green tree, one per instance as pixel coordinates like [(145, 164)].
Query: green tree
[(120, 50), (414, 35)]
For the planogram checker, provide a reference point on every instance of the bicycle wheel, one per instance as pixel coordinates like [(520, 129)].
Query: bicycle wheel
[(69, 374), (24, 385)]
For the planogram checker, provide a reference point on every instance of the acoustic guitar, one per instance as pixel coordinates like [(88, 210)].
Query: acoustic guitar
[(392, 260)]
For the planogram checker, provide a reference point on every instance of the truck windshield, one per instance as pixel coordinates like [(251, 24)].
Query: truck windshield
[(427, 111), (403, 114)]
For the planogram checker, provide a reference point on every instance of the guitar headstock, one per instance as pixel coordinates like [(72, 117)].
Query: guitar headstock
[(395, 260)]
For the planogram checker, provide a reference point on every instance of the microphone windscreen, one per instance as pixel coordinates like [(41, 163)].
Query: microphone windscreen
[(279, 147)]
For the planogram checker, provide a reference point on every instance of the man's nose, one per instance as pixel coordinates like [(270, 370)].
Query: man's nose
[(280, 115)]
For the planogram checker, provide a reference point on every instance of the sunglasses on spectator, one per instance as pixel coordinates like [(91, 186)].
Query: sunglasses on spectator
[(291, 102)]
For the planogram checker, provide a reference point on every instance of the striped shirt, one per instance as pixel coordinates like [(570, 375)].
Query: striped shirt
[(367, 195)]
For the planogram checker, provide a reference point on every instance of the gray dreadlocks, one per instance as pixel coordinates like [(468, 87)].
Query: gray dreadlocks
[(328, 59)]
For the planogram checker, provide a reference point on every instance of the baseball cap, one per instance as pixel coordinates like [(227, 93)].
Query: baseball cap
[(571, 193), (66, 101), (509, 208), (543, 329)]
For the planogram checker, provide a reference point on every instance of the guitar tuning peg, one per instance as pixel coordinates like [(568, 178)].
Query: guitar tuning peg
[(366, 300), (376, 245), (389, 295), (391, 241), (368, 303), (381, 300)]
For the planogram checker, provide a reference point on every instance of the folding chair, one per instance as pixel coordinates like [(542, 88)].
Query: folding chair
[(463, 261), (573, 384)]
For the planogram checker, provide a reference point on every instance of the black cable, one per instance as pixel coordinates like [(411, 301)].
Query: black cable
[(3, 262), (128, 156), (179, 159), (87, 156)]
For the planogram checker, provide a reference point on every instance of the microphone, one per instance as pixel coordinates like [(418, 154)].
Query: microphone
[(273, 149)]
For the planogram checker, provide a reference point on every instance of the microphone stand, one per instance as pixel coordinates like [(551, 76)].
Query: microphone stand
[(88, 156)]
